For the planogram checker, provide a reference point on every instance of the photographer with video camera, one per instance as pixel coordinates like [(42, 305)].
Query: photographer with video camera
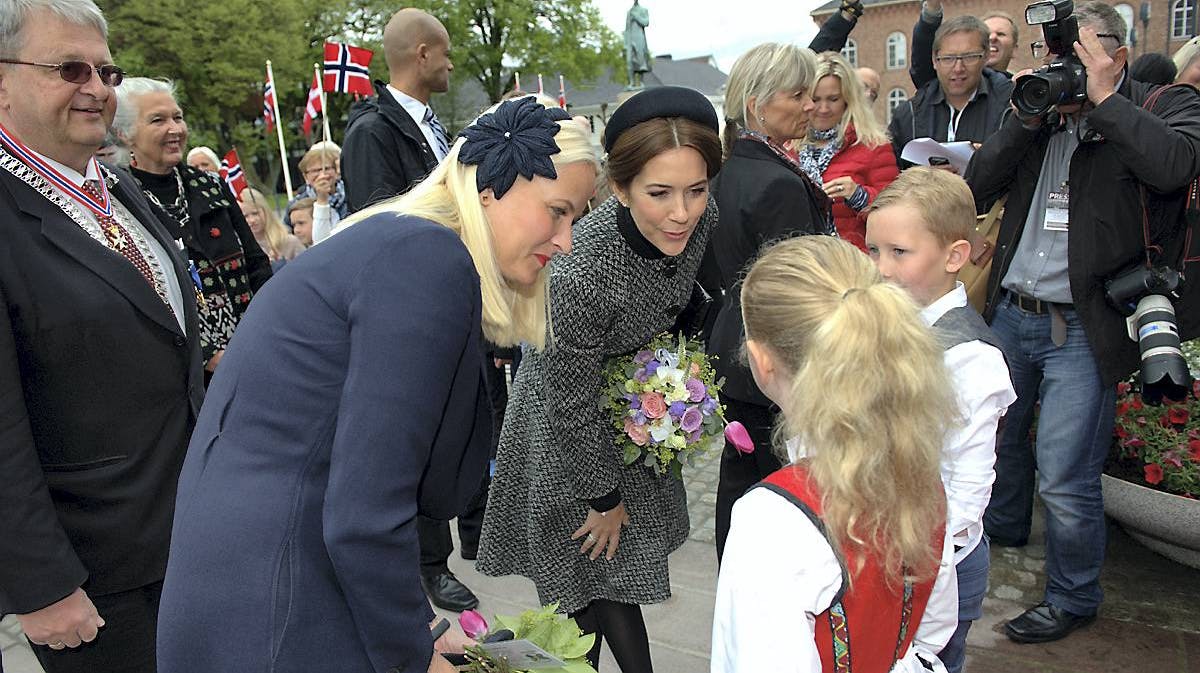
[(1090, 156)]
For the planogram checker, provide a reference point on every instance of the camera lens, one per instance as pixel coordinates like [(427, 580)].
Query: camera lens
[(1164, 372), (1036, 93)]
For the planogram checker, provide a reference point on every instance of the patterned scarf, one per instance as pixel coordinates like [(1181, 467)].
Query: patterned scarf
[(814, 159), (824, 203)]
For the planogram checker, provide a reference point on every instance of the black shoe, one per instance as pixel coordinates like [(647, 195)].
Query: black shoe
[(469, 553), (448, 593), (1044, 623)]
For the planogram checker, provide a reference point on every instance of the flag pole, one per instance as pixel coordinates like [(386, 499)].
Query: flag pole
[(324, 102), (287, 175)]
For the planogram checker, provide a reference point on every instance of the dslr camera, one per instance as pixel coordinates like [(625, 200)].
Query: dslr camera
[(1063, 80), (1144, 295)]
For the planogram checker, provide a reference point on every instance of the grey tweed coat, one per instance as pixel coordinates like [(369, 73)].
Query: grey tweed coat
[(609, 297)]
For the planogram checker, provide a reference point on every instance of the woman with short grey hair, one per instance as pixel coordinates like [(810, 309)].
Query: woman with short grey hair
[(227, 264)]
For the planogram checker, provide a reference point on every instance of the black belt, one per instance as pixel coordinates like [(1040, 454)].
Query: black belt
[(1031, 305)]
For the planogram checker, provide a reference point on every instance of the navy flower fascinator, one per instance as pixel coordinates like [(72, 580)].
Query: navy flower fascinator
[(517, 138)]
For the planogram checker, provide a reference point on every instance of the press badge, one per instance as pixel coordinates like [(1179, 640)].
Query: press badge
[(1058, 209)]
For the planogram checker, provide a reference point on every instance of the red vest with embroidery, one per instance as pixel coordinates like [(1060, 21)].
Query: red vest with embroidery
[(870, 626)]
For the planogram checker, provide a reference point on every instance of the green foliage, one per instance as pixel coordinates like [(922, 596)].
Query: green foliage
[(545, 627)]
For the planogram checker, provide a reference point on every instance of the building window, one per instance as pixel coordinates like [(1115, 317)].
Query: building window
[(895, 98), (850, 51), (897, 49), (1183, 15)]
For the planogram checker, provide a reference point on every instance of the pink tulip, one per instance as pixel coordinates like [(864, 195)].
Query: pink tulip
[(473, 624), (737, 435)]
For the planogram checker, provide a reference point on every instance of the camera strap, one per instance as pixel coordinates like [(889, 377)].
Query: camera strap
[(1191, 213)]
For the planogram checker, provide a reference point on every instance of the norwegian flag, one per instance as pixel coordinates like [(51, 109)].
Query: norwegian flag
[(347, 69), (269, 104), (231, 172), (314, 106)]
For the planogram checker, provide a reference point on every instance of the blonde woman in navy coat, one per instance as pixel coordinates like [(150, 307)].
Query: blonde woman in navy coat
[(351, 399)]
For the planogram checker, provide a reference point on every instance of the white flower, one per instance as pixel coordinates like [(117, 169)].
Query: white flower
[(662, 428)]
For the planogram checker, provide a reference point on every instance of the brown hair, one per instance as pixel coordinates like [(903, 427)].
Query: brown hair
[(318, 154), (963, 24), (942, 198), (640, 143), (997, 14), (301, 204)]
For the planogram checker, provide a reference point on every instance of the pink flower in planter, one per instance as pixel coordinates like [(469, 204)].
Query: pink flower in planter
[(1194, 449), (1177, 415), (1154, 474)]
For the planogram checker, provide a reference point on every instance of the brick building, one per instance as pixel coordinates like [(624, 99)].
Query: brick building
[(882, 38)]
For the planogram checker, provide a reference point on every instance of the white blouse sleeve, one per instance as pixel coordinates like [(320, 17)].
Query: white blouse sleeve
[(777, 574), (324, 221), (939, 621)]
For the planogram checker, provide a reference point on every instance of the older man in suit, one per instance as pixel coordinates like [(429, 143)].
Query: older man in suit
[(100, 376)]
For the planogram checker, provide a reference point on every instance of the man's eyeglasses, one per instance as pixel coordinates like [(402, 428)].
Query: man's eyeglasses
[(948, 61), (1038, 48), (78, 72)]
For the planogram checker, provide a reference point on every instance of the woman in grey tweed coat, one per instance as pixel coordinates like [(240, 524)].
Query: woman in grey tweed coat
[(561, 491)]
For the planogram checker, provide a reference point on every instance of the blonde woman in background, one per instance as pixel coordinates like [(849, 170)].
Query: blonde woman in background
[(268, 230), (1187, 63), (842, 552), (846, 149)]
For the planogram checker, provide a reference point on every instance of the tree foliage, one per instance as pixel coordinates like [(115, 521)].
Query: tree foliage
[(216, 53)]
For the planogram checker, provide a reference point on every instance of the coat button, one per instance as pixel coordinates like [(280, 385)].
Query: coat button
[(670, 269), (180, 341)]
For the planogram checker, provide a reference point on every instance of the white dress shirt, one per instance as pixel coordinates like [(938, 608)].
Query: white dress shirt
[(778, 573), (174, 285), (416, 109), (325, 218), (984, 391)]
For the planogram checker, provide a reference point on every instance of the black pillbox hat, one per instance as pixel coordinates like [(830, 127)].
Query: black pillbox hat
[(660, 101)]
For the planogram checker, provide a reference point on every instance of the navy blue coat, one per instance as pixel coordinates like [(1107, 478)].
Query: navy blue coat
[(350, 399)]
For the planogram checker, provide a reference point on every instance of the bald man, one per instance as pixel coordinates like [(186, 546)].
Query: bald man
[(395, 140), (871, 83)]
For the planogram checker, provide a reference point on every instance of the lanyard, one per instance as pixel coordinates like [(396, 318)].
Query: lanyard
[(955, 118), (102, 207)]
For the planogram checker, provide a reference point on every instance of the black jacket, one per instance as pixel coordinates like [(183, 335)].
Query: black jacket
[(99, 389), (1157, 150), (384, 153), (926, 115), (833, 33), (761, 200)]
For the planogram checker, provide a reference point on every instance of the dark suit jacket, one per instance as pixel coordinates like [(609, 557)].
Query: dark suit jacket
[(99, 388), (761, 200), (384, 153), (295, 541)]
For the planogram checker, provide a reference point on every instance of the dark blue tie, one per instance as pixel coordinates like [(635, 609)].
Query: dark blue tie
[(439, 134)]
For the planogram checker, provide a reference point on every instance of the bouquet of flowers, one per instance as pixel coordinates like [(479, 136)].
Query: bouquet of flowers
[(555, 633), (663, 402)]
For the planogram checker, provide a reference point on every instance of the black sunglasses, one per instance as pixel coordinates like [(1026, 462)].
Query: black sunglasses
[(79, 72)]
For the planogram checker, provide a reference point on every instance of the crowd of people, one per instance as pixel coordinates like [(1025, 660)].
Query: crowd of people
[(231, 441)]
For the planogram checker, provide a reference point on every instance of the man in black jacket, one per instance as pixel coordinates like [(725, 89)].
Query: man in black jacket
[(965, 101), (395, 140), (1088, 174)]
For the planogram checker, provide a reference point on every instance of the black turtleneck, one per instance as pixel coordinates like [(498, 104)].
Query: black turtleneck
[(633, 236), (163, 187)]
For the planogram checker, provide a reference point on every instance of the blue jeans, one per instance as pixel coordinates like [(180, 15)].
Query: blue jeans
[(972, 587), (1074, 433)]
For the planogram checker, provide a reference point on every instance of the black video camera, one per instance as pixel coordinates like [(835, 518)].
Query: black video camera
[(1145, 295), (1063, 80)]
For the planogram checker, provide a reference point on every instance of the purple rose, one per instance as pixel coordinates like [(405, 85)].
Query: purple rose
[(694, 436), (677, 408), (643, 357), (640, 376), (692, 419), (651, 368), (696, 389)]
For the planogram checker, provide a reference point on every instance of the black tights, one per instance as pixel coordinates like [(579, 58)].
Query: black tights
[(623, 626)]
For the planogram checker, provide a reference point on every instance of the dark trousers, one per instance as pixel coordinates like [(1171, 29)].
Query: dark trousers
[(740, 471), (124, 645)]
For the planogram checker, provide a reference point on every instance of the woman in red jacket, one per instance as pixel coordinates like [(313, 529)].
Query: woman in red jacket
[(846, 149)]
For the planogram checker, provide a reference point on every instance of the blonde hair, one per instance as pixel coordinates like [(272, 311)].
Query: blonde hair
[(317, 154), (943, 200), (866, 126), (760, 73), (450, 197), (869, 396), (1186, 54), (273, 230)]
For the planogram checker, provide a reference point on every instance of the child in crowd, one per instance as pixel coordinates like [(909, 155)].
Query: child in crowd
[(300, 214), (842, 554), (917, 232)]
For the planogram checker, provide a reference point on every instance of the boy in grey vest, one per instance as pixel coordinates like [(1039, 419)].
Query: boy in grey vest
[(917, 233)]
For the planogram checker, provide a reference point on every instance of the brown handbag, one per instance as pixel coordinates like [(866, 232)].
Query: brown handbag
[(974, 274)]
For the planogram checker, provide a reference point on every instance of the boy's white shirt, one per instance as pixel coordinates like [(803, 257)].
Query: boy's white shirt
[(984, 392)]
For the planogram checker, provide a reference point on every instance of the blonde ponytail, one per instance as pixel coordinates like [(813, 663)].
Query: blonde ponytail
[(870, 396)]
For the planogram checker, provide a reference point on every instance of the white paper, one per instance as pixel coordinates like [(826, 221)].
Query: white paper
[(919, 150), (522, 655)]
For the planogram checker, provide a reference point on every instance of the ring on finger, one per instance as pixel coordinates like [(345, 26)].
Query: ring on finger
[(591, 538), (57, 645)]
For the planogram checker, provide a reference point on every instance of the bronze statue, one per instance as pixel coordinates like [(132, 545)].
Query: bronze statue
[(637, 55)]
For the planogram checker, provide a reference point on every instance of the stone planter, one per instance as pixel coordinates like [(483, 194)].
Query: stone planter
[(1168, 524)]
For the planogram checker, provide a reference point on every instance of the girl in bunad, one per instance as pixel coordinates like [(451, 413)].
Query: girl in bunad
[(839, 561)]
